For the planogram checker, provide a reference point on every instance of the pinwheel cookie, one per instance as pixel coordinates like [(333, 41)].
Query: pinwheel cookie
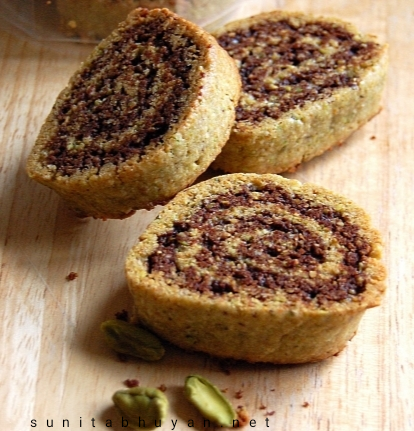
[(142, 118), (308, 83), (258, 268)]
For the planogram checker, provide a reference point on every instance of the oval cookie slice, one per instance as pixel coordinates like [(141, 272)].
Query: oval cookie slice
[(141, 119), (307, 84), (257, 267)]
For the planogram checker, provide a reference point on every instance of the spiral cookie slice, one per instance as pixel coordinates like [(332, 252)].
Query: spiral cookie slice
[(142, 118), (258, 268), (307, 84)]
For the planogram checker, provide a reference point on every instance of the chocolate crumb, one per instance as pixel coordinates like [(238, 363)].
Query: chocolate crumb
[(71, 276), (131, 383), (305, 404), (162, 388), (238, 394), (242, 416)]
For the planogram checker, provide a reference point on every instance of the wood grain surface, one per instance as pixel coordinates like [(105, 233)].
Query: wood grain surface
[(54, 364)]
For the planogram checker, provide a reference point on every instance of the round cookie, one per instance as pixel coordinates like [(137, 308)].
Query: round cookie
[(307, 83), (141, 119), (258, 268)]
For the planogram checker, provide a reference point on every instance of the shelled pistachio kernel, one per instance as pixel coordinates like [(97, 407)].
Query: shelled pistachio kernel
[(129, 339), (143, 408), (209, 400)]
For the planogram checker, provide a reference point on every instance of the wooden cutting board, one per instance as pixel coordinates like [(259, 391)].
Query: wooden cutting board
[(54, 365)]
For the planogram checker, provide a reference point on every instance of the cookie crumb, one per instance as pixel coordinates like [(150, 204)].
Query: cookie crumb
[(71, 276), (238, 394), (162, 388), (242, 416), (131, 383), (305, 404), (373, 137)]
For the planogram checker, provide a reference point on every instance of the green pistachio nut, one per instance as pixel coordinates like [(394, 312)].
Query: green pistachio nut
[(129, 339), (143, 408), (209, 401)]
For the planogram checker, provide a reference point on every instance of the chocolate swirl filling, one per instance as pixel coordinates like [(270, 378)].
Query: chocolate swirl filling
[(123, 102), (284, 64), (265, 242)]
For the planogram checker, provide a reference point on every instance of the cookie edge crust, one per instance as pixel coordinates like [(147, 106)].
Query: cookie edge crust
[(187, 150), (276, 146), (242, 327)]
